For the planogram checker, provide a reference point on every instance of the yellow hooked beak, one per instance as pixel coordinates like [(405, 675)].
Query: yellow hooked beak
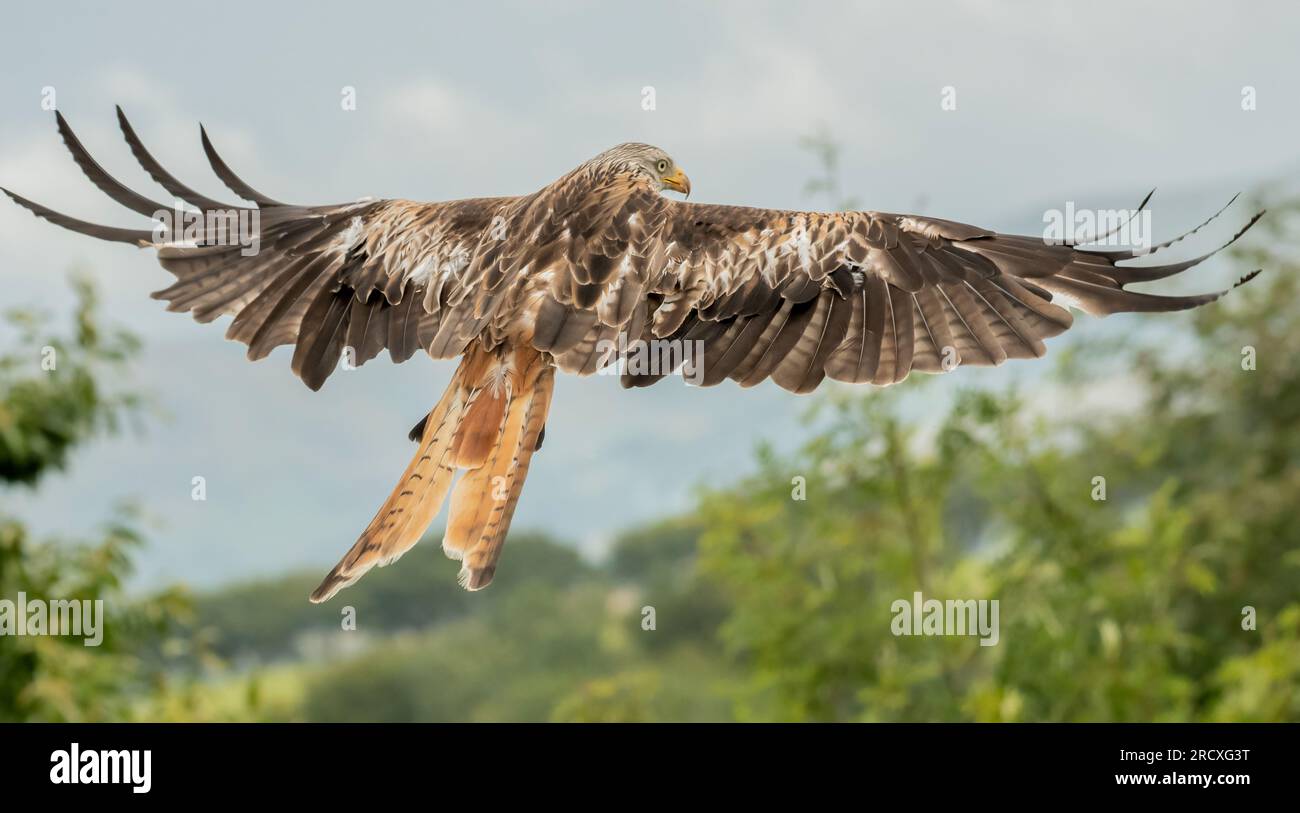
[(678, 182)]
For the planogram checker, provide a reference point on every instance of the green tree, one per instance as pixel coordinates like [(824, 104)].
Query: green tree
[(53, 398)]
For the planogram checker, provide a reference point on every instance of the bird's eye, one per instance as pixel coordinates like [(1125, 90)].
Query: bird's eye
[(662, 166)]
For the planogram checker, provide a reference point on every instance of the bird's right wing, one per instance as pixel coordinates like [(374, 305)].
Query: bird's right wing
[(360, 276)]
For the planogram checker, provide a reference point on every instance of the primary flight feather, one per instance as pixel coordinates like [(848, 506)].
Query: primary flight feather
[(518, 287)]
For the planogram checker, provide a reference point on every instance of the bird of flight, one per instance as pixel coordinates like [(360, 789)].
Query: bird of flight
[(518, 287)]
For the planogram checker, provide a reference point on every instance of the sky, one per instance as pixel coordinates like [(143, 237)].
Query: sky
[(1092, 104)]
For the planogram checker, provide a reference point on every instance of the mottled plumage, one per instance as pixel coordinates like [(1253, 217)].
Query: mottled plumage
[(520, 286)]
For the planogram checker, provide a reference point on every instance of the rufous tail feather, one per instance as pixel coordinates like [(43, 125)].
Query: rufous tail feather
[(486, 423), (483, 501)]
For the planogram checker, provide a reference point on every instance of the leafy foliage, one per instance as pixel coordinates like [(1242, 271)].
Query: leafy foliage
[(44, 414)]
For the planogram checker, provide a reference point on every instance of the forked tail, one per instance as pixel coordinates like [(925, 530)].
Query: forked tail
[(488, 423)]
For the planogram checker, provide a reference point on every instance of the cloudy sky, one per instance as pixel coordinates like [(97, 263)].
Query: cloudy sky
[(501, 98)]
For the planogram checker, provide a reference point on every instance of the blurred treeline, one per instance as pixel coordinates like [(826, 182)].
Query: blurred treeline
[(768, 607)]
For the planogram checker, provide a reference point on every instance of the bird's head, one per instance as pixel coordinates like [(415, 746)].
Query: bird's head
[(649, 161)]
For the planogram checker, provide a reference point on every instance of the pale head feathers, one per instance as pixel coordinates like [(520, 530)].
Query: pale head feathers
[(643, 159)]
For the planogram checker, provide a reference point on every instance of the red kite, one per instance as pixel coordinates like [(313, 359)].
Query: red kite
[(520, 286)]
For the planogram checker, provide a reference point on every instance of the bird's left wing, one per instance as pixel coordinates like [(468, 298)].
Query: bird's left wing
[(803, 296), (339, 282)]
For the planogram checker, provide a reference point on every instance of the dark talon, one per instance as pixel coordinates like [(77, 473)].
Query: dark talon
[(417, 431)]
